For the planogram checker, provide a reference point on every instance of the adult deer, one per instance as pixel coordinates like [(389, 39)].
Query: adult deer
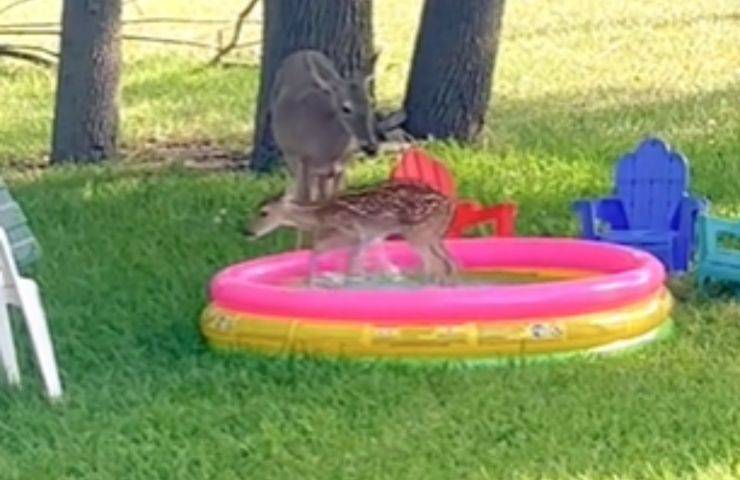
[(319, 119)]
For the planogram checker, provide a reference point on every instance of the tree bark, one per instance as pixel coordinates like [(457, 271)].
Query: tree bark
[(341, 29), (450, 83), (86, 113)]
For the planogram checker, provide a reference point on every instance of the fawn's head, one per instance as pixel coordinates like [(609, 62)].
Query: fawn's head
[(278, 212)]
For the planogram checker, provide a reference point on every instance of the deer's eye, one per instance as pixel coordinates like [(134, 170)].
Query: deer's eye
[(346, 108), (263, 213)]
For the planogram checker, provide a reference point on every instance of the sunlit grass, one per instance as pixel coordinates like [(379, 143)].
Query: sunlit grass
[(576, 58)]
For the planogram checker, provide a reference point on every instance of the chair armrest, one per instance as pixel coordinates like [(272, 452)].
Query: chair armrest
[(470, 214), (701, 237), (689, 210), (586, 211), (607, 210), (466, 213)]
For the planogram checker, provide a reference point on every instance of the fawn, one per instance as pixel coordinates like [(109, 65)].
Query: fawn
[(418, 213)]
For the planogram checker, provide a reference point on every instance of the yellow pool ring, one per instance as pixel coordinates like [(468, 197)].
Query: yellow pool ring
[(603, 331)]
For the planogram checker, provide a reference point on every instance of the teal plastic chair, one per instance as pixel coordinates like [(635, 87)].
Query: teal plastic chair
[(719, 250), (25, 247)]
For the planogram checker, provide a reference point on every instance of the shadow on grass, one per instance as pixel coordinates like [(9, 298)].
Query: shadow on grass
[(128, 256), (566, 150)]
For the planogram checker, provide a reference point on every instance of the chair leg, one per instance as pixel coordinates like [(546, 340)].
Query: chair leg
[(703, 282), (39, 333), (7, 348)]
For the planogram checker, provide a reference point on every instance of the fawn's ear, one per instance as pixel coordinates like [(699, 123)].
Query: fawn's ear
[(271, 201)]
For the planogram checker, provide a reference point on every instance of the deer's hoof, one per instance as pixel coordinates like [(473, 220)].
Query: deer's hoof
[(355, 279), (395, 277), (393, 273), (327, 280)]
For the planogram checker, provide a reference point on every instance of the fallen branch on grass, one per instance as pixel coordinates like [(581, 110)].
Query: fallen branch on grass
[(29, 31), (26, 53), (12, 5), (134, 21), (171, 41)]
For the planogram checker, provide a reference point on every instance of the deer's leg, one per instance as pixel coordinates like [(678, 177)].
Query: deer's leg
[(387, 268), (428, 240), (298, 190), (435, 268), (326, 241), (428, 245), (293, 165), (327, 187), (322, 244), (355, 265), (313, 267), (419, 245), (300, 238), (317, 188), (322, 183), (444, 259), (429, 262), (338, 182)]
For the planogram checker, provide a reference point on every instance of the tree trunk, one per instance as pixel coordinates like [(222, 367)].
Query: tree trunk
[(341, 29), (450, 83), (86, 113)]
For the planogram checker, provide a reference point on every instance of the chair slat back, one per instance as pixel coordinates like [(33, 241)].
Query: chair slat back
[(417, 165), (650, 182)]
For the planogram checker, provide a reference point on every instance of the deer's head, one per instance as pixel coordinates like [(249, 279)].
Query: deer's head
[(352, 103)]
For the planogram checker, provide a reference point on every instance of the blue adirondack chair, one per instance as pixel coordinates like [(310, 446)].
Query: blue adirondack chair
[(719, 250), (651, 207)]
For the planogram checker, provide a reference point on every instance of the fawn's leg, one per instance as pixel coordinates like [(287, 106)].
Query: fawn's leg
[(387, 268), (321, 246), (420, 245), (435, 269), (444, 260), (426, 240), (442, 268), (324, 242), (356, 267), (430, 268), (299, 240)]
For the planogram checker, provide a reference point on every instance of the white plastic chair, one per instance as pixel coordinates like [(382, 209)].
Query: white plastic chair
[(24, 293)]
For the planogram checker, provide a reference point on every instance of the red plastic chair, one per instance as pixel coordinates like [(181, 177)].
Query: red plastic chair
[(417, 165)]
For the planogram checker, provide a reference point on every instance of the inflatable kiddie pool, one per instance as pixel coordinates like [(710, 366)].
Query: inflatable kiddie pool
[(586, 297)]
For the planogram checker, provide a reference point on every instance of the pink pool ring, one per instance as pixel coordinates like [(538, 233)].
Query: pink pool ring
[(603, 297)]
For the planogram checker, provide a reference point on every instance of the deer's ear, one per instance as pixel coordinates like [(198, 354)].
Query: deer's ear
[(313, 71), (368, 80)]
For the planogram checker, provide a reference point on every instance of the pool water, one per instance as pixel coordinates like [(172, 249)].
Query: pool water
[(464, 278)]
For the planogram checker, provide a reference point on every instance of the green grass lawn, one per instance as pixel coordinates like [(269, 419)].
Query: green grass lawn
[(129, 249)]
